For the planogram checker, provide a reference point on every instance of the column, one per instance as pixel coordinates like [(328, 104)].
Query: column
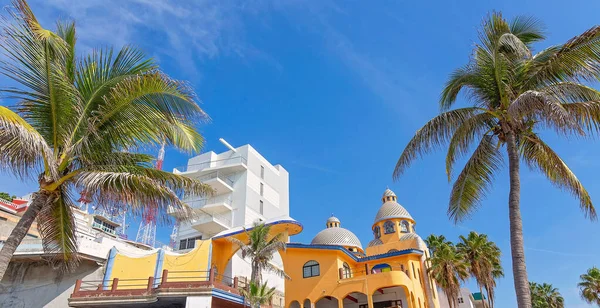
[(370, 300)]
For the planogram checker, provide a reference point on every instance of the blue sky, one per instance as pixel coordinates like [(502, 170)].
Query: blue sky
[(334, 90)]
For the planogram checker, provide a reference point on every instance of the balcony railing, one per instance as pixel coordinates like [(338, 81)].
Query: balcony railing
[(361, 272), (215, 175), (212, 164), (200, 203), (224, 219)]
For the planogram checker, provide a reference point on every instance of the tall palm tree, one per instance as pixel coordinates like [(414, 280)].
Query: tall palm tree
[(435, 242), (449, 269), (589, 287), (514, 94), (483, 258), (73, 123), (258, 294), (545, 296), (260, 248)]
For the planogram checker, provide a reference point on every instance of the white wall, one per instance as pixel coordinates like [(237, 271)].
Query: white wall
[(242, 267), (198, 302)]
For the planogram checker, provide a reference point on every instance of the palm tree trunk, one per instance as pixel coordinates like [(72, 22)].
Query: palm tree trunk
[(516, 226), (256, 276), (20, 230)]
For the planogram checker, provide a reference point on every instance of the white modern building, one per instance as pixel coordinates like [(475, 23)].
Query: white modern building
[(466, 299), (248, 188)]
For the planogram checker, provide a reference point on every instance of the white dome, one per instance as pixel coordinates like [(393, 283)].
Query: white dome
[(392, 209), (336, 236), (389, 193), (333, 219), (375, 242)]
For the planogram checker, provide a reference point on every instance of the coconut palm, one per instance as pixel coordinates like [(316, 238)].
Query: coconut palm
[(435, 242), (258, 294), (545, 296), (449, 269), (589, 287), (76, 125), (260, 248), (514, 94), (483, 258)]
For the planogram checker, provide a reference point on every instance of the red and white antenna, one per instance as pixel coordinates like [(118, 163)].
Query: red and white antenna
[(147, 232)]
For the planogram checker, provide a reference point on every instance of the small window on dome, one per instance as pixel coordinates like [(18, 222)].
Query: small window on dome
[(404, 226), (377, 232), (388, 226)]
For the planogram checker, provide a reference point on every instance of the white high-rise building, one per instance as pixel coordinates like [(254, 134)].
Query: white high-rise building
[(247, 188)]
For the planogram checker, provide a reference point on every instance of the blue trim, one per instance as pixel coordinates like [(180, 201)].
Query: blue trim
[(110, 262), (160, 258), (355, 258), (268, 224), (228, 296)]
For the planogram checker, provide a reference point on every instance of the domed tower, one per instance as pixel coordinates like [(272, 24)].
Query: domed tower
[(334, 234), (394, 227)]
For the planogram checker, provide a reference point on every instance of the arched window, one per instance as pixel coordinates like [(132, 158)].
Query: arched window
[(380, 268), (388, 226), (404, 226), (377, 232), (347, 272), (310, 269)]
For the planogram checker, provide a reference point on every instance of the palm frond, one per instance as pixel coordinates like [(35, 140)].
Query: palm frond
[(528, 29), (66, 31), (585, 114), (545, 109), (472, 183), (538, 155), (56, 225), (471, 129), (431, 136), (22, 150)]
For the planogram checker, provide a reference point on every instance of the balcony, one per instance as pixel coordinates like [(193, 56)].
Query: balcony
[(212, 223), (221, 183), (214, 205), (228, 165)]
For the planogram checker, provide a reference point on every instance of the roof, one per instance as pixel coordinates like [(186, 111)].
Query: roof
[(389, 193), (478, 296), (375, 242), (391, 209), (333, 219), (270, 222), (336, 236)]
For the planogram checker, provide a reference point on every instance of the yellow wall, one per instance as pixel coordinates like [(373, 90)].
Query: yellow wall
[(133, 272), (194, 263)]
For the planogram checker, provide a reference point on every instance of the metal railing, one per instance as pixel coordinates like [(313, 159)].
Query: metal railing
[(361, 272), (211, 164), (199, 203), (215, 175), (224, 219)]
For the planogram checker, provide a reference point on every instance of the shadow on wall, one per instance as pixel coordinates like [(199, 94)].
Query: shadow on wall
[(34, 284)]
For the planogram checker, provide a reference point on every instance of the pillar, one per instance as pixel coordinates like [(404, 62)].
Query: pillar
[(341, 303), (370, 300)]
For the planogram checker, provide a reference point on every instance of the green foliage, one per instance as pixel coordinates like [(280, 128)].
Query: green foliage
[(545, 296), (258, 294), (589, 286), (7, 196), (260, 248), (79, 121), (449, 269)]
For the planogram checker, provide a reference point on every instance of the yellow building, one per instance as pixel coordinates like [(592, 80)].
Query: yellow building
[(335, 271), (332, 271)]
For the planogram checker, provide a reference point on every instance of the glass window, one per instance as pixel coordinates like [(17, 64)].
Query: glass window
[(347, 272), (414, 272), (182, 244), (262, 204), (310, 269), (388, 226), (392, 250), (262, 189), (377, 232), (404, 226), (262, 172), (461, 300)]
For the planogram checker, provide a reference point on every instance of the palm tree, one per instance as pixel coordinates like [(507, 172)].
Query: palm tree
[(449, 269), (483, 258), (435, 242), (75, 121), (514, 94), (545, 296), (589, 287), (258, 294), (260, 248)]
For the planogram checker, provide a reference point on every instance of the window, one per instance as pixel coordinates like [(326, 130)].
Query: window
[(262, 204), (262, 189), (461, 300), (31, 235), (310, 269), (103, 225), (377, 232), (262, 172), (414, 272), (347, 273), (404, 226), (189, 243), (3, 219), (388, 226)]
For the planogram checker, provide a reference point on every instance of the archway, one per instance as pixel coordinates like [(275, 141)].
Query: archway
[(307, 304), (327, 302), (394, 296), (355, 300), (379, 268), (295, 304)]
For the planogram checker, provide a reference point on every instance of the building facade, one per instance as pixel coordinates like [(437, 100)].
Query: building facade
[(335, 271)]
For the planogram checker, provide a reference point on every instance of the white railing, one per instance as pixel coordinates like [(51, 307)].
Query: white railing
[(200, 203), (215, 175), (224, 219), (212, 164)]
